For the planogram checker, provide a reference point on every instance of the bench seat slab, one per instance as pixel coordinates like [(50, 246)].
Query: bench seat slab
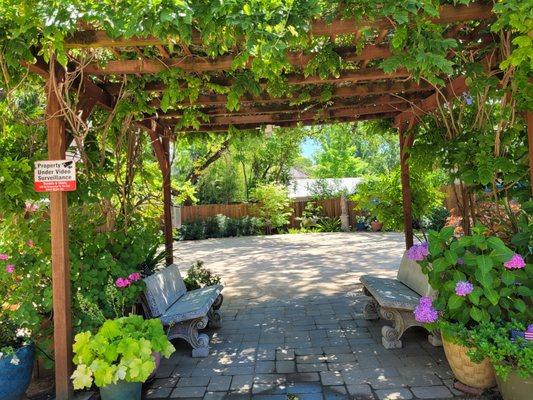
[(192, 305), (390, 293)]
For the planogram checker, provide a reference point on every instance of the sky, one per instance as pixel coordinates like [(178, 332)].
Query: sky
[(309, 147)]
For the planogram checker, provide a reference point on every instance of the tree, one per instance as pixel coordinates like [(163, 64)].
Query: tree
[(350, 150), (273, 205), (381, 195)]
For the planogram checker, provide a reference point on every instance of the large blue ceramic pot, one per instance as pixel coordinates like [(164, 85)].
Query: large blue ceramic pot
[(15, 379)]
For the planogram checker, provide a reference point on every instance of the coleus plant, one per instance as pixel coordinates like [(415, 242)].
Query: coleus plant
[(121, 350), (477, 278)]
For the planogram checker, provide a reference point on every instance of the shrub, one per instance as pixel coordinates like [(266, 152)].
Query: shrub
[(436, 219), (220, 226), (273, 205), (381, 196), (478, 278), (327, 224), (198, 276)]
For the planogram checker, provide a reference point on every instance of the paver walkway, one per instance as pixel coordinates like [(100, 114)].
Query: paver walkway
[(292, 325)]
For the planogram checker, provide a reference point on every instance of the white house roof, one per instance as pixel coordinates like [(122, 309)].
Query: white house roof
[(305, 188)]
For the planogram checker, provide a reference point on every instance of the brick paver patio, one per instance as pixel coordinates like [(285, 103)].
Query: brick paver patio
[(295, 336)]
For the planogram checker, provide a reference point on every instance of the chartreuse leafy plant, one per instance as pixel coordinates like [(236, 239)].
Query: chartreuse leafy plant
[(121, 350), (505, 346), (478, 279)]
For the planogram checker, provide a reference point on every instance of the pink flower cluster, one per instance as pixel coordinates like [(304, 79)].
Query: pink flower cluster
[(418, 252), (31, 207), (463, 288), (424, 311), (516, 262), (125, 282), (10, 268)]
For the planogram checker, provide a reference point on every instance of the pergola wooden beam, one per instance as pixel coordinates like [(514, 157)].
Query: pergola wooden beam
[(454, 89), (448, 14), (222, 63), (286, 124), (356, 76), (90, 91), (386, 99), (400, 89), (57, 145), (352, 112)]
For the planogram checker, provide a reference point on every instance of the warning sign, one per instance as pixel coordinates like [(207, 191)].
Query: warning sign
[(55, 176)]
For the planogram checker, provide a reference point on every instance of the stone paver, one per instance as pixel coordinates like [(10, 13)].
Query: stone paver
[(394, 394), (292, 325), (432, 392)]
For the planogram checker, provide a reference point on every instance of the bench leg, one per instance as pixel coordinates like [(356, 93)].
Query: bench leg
[(214, 315), (214, 319), (435, 339), (401, 321), (188, 330), (371, 310)]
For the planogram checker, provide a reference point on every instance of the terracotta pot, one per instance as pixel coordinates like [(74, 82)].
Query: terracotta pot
[(376, 226), (515, 387), (480, 376)]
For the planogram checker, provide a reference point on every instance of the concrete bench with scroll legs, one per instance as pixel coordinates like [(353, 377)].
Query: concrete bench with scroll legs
[(183, 313), (395, 300)]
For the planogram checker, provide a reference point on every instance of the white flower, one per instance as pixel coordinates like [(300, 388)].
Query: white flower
[(23, 332), (15, 360), (120, 375)]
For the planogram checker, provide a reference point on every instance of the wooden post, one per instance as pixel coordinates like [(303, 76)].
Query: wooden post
[(59, 236), (529, 118), (406, 140), (169, 240)]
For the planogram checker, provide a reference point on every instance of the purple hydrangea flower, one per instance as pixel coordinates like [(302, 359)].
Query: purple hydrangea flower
[(418, 252), (424, 312), (463, 288), (468, 99), (460, 261), (516, 262)]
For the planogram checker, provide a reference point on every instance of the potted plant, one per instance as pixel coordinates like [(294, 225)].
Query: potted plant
[(376, 225), (509, 347), (361, 224), (119, 357), (477, 278), (17, 356)]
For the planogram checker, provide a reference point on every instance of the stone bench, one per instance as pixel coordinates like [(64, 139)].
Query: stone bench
[(395, 300), (183, 313)]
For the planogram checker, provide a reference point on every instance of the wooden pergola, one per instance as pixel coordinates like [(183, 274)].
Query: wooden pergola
[(361, 92)]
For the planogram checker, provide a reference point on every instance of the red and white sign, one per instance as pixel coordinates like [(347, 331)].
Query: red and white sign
[(55, 176)]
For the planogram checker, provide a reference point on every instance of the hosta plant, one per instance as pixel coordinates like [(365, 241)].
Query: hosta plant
[(477, 278), (121, 350)]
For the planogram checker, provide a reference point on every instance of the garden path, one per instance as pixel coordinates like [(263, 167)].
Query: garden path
[(292, 325)]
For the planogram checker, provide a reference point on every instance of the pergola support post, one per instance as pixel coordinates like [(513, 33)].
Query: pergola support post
[(406, 141), (167, 200), (57, 145), (529, 121)]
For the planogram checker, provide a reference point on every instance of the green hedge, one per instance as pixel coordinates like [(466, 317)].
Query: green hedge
[(220, 226)]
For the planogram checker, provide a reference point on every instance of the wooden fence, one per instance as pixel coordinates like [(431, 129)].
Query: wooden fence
[(331, 208)]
